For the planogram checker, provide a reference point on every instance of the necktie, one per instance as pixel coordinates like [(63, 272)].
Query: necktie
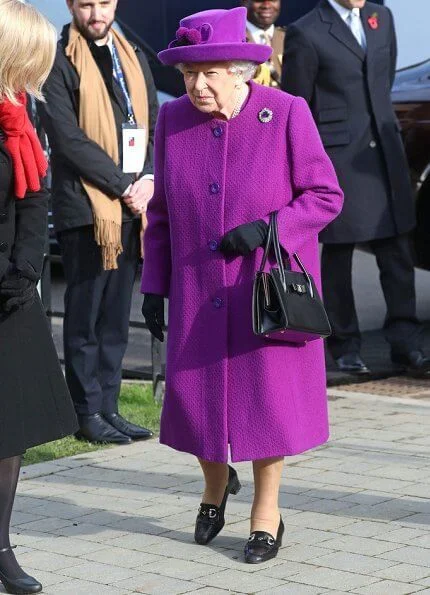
[(264, 39), (356, 27)]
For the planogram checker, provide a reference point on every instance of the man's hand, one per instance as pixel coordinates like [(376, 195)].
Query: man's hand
[(139, 195)]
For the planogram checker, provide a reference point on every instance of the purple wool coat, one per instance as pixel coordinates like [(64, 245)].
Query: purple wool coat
[(224, 385)]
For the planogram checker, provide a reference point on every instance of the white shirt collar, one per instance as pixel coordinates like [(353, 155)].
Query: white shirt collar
[(109, 42), (343, 12), (256, 32)]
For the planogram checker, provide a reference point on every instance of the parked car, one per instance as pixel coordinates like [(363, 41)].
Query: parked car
[(411, 99)]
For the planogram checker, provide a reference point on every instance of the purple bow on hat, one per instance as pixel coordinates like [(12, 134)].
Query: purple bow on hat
[(190, 36)]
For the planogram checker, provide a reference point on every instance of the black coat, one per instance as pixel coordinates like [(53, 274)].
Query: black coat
[(74, 155), (35, 406), (348, 91)]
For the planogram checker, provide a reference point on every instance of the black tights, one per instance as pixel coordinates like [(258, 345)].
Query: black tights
[(9, 473)]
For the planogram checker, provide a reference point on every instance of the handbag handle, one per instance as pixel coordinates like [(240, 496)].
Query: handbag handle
[(273, 240)]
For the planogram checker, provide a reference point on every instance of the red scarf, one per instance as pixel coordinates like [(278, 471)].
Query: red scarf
[(29, 162)]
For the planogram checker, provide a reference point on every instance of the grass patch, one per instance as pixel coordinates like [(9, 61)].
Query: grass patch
[(136, 404)]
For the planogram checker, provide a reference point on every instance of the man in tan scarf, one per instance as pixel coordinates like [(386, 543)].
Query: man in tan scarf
[(99, 85)]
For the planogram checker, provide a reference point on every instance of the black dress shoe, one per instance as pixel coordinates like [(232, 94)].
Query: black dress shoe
[(94, 428), (414, 363), (24, 585), (125, 427), (352, 364), (262, 546), (210, 519)]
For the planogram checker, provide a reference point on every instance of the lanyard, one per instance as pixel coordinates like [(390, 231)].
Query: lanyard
[(119, 76)]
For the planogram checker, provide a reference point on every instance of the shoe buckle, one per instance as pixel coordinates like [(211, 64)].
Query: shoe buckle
[(251, 537), (212, 513), (270, 541)]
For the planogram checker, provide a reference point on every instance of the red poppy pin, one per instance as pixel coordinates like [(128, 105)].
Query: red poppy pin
[(373, 21)]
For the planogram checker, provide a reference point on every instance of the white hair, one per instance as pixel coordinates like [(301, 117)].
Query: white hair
[(245, 68)]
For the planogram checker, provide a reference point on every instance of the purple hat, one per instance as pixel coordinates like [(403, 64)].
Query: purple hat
[(214, 36)]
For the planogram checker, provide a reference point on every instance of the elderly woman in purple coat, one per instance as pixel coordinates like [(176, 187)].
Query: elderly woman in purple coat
[(228, 153)]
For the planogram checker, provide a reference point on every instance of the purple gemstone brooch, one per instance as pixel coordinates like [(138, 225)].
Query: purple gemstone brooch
[(265, 115)]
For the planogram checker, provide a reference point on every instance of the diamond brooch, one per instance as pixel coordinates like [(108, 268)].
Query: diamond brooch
[(265, 115)]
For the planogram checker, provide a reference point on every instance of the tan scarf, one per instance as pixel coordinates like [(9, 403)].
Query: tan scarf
[(97, 120)]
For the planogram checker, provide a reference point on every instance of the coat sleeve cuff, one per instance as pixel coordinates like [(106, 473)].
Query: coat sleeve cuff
[(120, 182)]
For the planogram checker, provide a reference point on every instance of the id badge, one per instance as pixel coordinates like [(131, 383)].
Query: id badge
[(133, 148)]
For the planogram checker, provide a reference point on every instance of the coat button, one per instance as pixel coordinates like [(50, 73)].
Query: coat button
[(218, 131), (214, 188), (3, 217), (3, 246), (218, 302), (213, 245), (372, 144)]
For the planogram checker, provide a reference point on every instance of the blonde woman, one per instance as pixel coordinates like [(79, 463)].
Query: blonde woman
[(35, 406)]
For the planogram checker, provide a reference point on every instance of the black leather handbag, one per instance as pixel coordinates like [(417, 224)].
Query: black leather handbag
[(286, 305)]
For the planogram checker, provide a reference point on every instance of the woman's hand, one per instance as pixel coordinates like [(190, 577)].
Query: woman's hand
[(16, 291), (153, 313), (244, 239)]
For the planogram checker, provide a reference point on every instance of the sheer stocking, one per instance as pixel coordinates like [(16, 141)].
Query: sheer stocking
[(9, 473)]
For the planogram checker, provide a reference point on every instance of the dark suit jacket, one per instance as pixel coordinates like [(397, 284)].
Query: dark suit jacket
[(74, 155), (348, 90)]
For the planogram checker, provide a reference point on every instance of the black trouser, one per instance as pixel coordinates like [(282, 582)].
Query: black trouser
[(397, 276), (97, 312)]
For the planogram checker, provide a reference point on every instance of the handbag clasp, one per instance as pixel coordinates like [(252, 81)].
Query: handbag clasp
[(298, 288)]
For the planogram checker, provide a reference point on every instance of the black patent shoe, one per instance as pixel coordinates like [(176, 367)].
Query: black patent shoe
[(24, 585), (94, 428), (134, 431), (262, 546), (210, 519), (414, 363), (351, 363)]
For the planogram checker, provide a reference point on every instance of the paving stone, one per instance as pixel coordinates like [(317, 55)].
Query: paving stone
[(407, 573), (122, 557), (99, 573), (182, 569), (360, 545), (87, 532), (68, 546), (410, 555), (406, 535), (156, 584), (388, 587), (78, 587), (356, 562), (364, 529), (289, 589), (241, 582), (47, 561), (422, 540), (213, 591), (21, 518), (285, 571), (302, 553), (332, 579)]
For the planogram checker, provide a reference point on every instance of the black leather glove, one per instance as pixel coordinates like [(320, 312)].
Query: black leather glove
[(16, 291), (153, 313), (244, 239)]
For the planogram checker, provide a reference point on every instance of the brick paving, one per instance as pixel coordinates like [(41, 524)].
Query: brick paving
[(357, 514)]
